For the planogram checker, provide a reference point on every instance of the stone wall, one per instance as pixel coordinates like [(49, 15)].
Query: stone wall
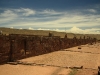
[(4, 48), (16, 46)]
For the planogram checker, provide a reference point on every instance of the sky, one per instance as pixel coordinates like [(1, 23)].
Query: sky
[(76, 16)]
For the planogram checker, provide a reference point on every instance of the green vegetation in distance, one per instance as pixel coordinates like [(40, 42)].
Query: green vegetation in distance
[(73, 72)]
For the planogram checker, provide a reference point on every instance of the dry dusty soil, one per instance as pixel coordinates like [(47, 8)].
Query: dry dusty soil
[(58, 63)]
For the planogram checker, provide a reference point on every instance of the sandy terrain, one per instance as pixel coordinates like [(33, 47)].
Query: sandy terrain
[(87, 72), (55, 63), (73, 57), (31, 70)]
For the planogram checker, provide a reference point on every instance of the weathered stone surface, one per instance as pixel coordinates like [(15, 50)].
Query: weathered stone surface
[(17, 46)]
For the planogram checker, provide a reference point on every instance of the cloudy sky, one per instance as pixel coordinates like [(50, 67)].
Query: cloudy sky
[(78, 16)]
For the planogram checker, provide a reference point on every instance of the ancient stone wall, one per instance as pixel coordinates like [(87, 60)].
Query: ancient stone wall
[(17, 46), (4, 48)]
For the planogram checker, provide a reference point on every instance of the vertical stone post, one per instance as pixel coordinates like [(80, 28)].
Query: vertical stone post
[(98, 70), (11, 51), (25, 45)]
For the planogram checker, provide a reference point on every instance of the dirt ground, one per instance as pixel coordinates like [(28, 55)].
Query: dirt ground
[(87, 72), (58, 63), (88, 56), (31, 70)]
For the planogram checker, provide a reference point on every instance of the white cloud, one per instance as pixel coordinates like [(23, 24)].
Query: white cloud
[(75, 29), (20, 28), (56, 29), (42, 29), (50, 18), (63, 21), (30, 28), (11, 27), (92, 10), (92, 31), (26, 11), (77, 20), (50, 12), (7, 16)]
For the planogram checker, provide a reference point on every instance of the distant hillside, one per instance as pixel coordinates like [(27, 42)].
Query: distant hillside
[(33, 32), (44, 33)]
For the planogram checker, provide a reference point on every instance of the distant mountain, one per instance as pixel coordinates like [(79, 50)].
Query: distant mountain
[(8, 31)]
